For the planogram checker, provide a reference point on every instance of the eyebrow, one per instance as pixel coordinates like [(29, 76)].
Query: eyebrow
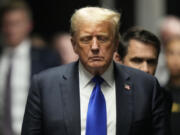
[(143, 58), (88, 33)]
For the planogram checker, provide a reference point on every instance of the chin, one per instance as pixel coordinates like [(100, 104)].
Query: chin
[(97, 68), (97, 64)]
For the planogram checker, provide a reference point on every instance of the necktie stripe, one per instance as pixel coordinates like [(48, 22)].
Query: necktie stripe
[(7, 120)]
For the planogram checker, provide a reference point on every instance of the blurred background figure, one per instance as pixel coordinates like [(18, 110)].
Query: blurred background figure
[(19, 60), (62, 44), (38, 41), (172, 51), (168, 28)]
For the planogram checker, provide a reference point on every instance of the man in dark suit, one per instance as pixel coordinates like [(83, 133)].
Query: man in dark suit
[(140, 49), (95, 96), (19, 60)]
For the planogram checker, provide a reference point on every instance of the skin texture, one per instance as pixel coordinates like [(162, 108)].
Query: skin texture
[(16, 26), (95, 45), (141, 56)]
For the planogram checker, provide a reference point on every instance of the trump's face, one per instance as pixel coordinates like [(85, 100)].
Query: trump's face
[(95, 45)]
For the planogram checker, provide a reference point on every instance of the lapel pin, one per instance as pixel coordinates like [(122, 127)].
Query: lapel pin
[(127, 87)]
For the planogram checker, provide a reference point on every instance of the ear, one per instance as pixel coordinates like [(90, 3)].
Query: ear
[(74, 44), (117, 57)]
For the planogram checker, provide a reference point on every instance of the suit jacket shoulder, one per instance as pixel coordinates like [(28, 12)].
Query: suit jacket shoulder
[(59, 71), (137, 76), (43, 58), (142, 101)]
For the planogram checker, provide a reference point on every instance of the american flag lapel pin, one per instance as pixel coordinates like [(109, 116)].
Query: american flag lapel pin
[(127, 87)]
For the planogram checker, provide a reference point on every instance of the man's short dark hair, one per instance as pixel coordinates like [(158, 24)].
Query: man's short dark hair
[(138, 34)]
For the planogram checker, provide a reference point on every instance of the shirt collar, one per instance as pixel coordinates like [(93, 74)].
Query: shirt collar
[(85, 77), (108, 75), (21, 50)]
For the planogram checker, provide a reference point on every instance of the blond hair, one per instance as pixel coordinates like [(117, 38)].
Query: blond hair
[(97, 15)]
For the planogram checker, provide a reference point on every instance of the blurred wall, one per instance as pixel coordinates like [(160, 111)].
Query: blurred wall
[(149, 12), (53, 16)]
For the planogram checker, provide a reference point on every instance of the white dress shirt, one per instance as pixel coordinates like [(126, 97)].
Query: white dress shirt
[(108, 89), (20, 81)]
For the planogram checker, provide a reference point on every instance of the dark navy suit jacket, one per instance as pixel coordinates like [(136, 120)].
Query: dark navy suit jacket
[(43, 58), (53, 105)]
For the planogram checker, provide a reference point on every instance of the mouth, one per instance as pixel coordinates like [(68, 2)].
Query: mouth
[(96, 58)]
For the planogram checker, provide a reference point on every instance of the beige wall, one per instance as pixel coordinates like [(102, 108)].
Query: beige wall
[(148, 13)]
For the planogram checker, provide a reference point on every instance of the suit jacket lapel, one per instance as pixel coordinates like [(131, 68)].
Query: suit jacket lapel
[(70, 95), (124, 103)]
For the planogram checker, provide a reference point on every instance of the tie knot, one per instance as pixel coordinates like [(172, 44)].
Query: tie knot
[(97, 79)]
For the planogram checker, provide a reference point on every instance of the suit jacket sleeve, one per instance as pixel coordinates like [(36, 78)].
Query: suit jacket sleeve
[(32, 123)]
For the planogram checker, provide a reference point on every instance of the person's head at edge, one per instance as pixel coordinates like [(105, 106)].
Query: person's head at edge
[(172, 53), (95, 37), (139, 49), (16, 22)]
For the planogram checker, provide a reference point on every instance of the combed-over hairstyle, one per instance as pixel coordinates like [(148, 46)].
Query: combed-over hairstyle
[(97, 15)]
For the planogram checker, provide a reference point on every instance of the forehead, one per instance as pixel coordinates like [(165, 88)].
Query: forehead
[(91, 27), (16, 13), (140, 49)]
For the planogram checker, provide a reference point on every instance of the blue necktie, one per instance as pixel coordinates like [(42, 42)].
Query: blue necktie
[(96, 115)]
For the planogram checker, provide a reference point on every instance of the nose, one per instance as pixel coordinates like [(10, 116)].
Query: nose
[(95, 46), (144, 67)]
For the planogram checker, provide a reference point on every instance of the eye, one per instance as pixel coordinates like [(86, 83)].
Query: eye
[(170, 52), (102, 39), (137, 60), (85, 39), (152, 62)]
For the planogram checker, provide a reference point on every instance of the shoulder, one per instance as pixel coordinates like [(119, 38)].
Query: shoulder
[(132, 72), (45, 51), (144, 86), (137, 77), (44, 56)]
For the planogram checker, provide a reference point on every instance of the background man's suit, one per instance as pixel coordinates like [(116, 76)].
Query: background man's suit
[(53, 106), (40, 59)]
